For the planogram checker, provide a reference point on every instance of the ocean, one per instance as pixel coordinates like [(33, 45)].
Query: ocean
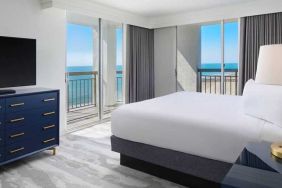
[(227, 67), (81, 88), (218, 66)]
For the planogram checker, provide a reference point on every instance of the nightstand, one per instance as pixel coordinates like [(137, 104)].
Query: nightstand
[(256, 167)]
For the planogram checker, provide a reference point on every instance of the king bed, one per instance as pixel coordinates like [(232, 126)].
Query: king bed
[(186, 137)]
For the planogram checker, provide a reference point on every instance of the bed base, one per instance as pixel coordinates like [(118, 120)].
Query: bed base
[(166, 173), (184, 169)]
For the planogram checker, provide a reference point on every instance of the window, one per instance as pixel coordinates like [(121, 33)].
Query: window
[(94, 72), (219, 58), (207, 57)]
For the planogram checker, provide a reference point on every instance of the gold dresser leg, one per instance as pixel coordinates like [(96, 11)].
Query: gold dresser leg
[(54, 151)]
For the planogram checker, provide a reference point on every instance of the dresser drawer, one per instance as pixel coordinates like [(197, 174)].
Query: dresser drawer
[(47, 99), (42, 115), (15, 104), (48, 127), (2, 137), (18, 149), (1, 121), (48, 116), (2, 106), (21, 126), (20, 119), (48, 140), (19, 134), (2, 154)]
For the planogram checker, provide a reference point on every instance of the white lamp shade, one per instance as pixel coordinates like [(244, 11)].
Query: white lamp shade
[(269, 68)]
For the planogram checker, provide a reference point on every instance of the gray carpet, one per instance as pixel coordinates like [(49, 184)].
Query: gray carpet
[(84, 159)]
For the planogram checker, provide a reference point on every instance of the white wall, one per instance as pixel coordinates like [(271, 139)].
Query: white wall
[(19, 18), (188, 56), (165, 60), (51, 52), (24, 18), (250, 8)]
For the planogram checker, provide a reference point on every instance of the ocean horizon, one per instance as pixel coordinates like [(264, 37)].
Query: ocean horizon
[(208, 65), (218, 66)]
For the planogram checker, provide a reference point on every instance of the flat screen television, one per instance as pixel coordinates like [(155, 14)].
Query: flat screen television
[(17, 62)]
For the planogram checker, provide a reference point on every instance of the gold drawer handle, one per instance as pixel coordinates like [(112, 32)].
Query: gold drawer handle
[(17, 120), (49, 140), (49, 113), (17, 150), (48, 127), (48, 100), (16, 135), (17, 104)]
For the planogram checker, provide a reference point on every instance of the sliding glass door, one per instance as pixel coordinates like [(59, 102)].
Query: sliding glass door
[(82, 71), (219, 52), (207, 57), (94, 72), (210, 73), (231, 57)]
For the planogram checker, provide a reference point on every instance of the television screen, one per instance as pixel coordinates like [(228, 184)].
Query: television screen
[(17, 62)]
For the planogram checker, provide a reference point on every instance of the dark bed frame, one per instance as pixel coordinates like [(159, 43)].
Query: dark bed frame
[(185, 169)]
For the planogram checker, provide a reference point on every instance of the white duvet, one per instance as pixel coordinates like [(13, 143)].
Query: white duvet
[(211, 126)]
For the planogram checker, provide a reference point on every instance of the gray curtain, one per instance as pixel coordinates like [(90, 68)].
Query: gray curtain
[(140, 64), (256, 31)]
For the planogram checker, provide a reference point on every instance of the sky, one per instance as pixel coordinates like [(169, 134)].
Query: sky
[(80, 45), (80, 48), (211, 43)]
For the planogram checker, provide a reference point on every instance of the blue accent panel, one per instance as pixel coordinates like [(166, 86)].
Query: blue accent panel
[(29, 123)]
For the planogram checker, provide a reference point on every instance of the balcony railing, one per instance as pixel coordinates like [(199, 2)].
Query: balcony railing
[(209, 81), (82, 89)]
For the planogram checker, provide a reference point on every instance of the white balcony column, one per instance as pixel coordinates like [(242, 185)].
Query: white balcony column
[(96, 48), (109, 64), (95, 88)]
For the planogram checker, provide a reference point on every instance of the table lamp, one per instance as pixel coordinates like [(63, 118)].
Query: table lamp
[(269, 70)]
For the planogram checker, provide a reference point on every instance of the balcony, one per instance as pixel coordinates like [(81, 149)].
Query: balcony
[(83, 98), (209, 81)]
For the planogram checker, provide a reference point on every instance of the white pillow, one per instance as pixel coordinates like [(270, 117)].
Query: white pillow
[(263, 101)]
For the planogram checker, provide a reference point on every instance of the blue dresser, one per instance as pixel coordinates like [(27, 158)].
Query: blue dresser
[(29, 123)]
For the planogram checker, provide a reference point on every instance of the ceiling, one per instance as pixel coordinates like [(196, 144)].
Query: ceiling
[(151, 8)]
